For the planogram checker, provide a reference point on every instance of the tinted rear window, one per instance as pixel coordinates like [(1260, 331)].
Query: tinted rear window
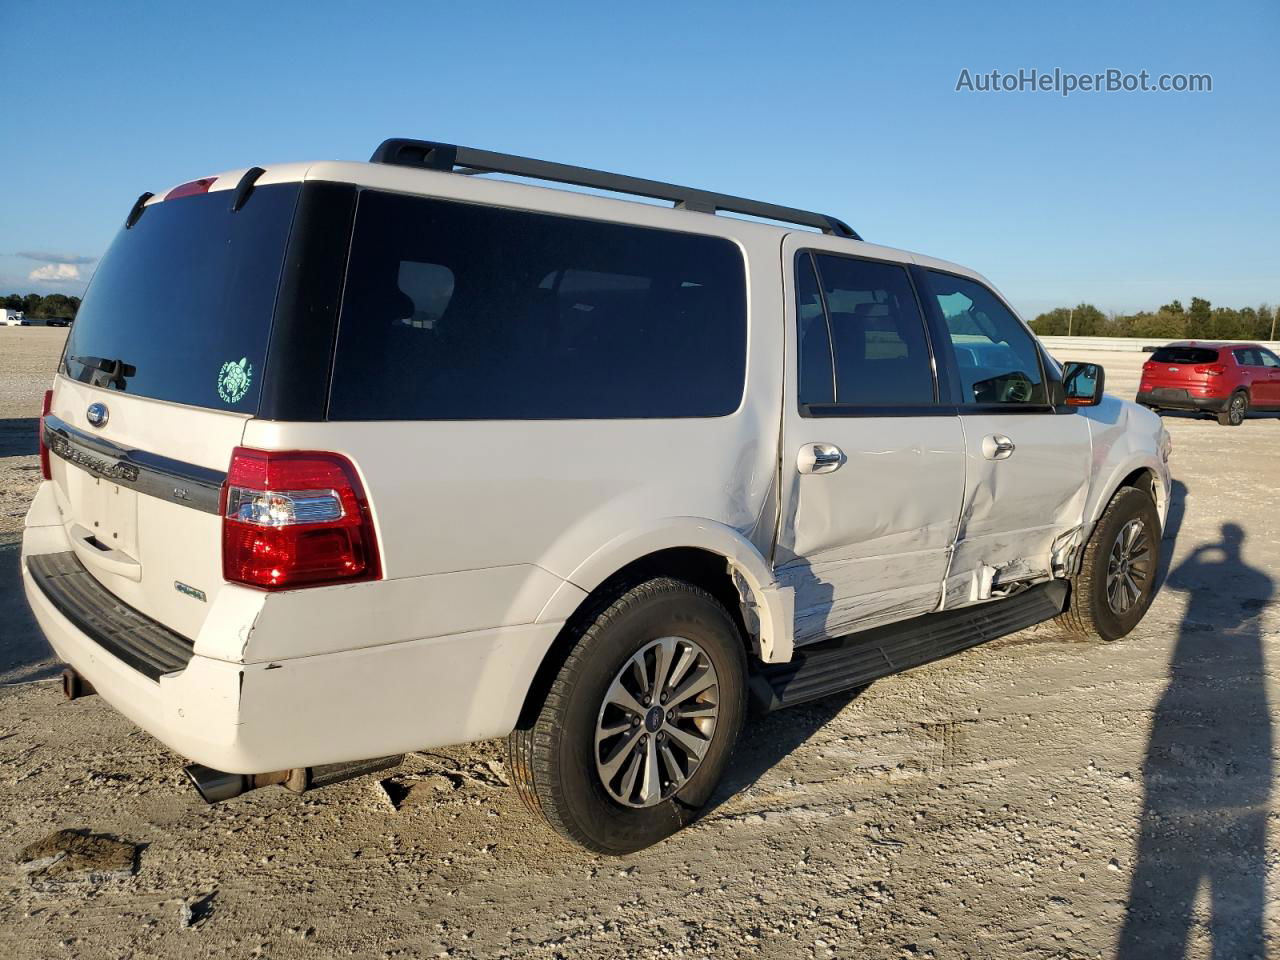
[(458, 312), (180, 307), (1184, 355)]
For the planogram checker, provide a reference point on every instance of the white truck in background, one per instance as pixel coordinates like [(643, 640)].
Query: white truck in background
[(13, 318)]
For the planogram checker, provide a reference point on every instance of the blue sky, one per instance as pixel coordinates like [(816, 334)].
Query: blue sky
[(1125, 200)]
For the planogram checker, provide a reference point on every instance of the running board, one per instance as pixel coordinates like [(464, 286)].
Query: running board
[(854, 661)]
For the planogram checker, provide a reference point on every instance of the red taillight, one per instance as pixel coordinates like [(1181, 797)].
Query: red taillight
[(45, 471), (191, 187), (295, 519), (1211, 369)]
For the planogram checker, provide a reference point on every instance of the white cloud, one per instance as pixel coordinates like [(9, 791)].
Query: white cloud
[(55, 257), (56, 273)]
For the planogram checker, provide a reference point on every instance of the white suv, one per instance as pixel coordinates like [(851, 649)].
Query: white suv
[(347, 460)]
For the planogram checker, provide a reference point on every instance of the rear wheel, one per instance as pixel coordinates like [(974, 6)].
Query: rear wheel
[(1117, 578), (640, 722), (1237, 409)]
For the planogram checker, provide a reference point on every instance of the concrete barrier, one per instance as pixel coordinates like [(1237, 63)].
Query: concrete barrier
[(1126, 344)]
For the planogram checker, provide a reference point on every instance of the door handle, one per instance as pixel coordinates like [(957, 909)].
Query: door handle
[(819, 458), (997, 446)]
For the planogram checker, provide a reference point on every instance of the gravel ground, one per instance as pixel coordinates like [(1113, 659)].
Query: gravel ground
[(1029, 798), (27, 358)]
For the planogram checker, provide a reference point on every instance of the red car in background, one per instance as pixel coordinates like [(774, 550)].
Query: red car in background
[(1228, 379)]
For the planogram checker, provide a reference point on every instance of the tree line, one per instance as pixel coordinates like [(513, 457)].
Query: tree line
[(1200, 321), (37, 307)]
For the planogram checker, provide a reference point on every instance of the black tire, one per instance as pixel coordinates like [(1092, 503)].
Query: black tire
[(1237, 409), (1090, 612), (552, 750)]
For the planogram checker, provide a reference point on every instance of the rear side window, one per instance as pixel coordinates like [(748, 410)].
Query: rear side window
[(458, 311), (180, 309), (1185, 355), (997, 357), (869, 348)]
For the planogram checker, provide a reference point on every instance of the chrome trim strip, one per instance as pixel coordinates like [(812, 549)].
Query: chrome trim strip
[(148, 473)]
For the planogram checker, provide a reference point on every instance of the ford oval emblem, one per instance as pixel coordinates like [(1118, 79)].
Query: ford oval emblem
[(97, 414)]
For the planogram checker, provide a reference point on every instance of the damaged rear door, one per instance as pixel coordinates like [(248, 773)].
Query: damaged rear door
[(1027, 463), (872, 470)]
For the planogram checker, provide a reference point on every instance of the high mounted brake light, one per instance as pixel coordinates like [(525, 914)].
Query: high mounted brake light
[(295, 519), (190, 188), (45, 470)]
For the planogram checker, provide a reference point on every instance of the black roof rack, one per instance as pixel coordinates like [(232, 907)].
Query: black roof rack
[(450, 158)]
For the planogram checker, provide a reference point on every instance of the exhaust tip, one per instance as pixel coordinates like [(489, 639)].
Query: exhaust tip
[(215, 785), (75, 686)]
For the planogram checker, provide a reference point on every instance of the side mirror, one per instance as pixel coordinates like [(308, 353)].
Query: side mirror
[(1083, 383)]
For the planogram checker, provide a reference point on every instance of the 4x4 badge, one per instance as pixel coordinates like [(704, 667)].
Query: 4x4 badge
[(234, 379)]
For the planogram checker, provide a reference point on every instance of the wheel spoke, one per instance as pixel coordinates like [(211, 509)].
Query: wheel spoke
[(663, 653), (620, 696), (704, 678), (695, 746), (1113, 592), (686, 660), (1134, 588), (651, 785), (640, 671), (628, 788), (675, 773), (696, 710), (610, 766), (605, 731)]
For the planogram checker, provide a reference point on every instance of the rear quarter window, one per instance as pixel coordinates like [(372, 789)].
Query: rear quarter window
[(459, 311)]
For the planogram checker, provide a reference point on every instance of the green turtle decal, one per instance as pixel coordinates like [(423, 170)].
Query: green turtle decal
[(234, 379)]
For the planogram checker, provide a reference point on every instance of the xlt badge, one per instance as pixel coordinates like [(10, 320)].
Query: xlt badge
[(190, 591)]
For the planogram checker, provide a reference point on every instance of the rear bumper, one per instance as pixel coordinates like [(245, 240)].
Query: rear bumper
[(303, 711), (1169, 398)]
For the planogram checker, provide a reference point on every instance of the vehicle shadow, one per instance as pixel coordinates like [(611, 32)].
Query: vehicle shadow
[(24, 652), (18, 437), (1207, 772), (1172, 524), (768, 738)]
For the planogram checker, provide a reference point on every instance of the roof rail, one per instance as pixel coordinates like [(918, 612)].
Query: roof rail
[(452, 158)]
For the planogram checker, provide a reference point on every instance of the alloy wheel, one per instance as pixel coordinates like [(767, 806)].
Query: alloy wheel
[(1129, 567), (656, 722)]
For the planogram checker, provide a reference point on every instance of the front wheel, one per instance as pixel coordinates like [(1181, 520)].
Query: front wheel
[(639, 724), (1237, 409), (1117, 578)]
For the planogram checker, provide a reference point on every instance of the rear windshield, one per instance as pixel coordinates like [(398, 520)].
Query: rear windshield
[(458, 311), (180, 307), (1184, 355)]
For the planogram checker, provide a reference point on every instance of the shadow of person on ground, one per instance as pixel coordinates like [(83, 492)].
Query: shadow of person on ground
[(1207, 772)]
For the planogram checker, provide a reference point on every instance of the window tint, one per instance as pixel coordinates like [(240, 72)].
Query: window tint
[(997, 358), (876, 344), (457, 312), (180, 308), (817, 374), (1184, 355)]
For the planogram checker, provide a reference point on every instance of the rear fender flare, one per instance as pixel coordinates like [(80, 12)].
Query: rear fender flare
[(772, 604)]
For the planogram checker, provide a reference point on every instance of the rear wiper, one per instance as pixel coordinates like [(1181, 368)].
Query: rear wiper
[(117, 371)]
